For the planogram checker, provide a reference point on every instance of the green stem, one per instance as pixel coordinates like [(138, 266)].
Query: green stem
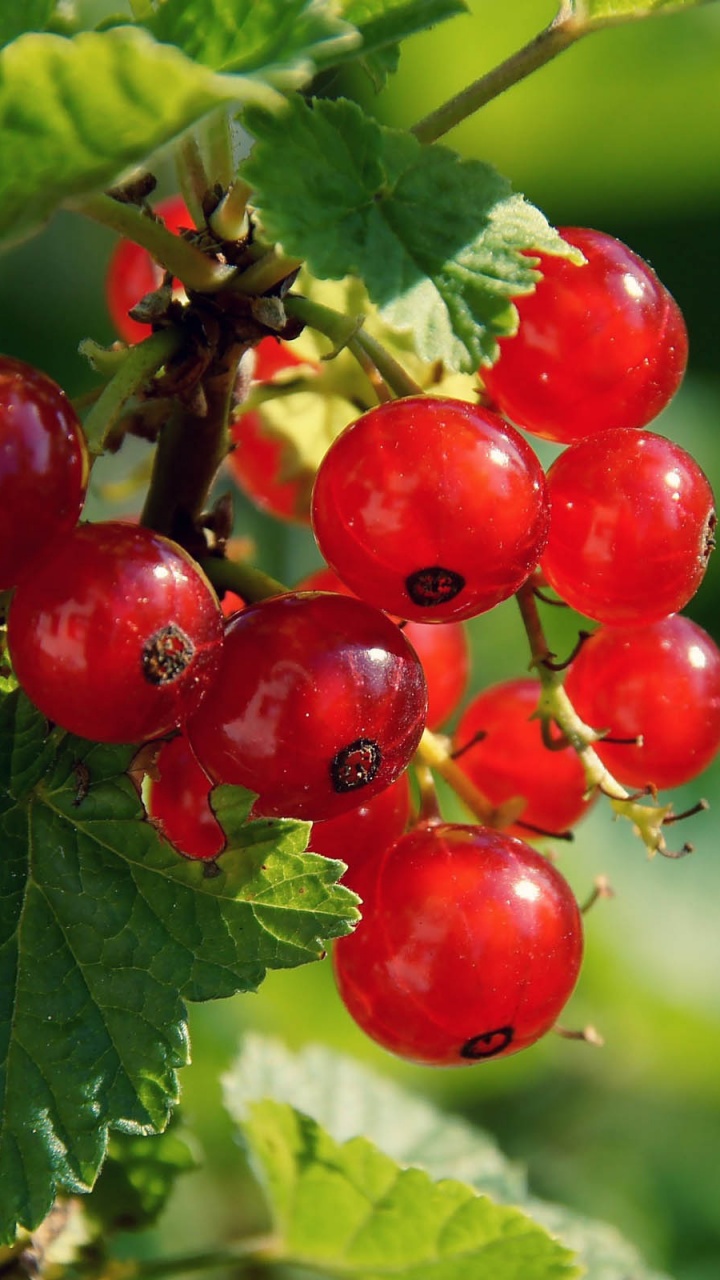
[(268, 271), (192, 176), (399, 381), (246, 1254), (339, 328), (244, 579), (177, 255), (433, 752), (140, 364), (564, 31), (348, 331), (230, 220), (218, 147), (193, 443)]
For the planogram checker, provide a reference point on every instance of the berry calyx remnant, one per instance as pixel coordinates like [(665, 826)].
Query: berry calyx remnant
[(469, 946), (598, 346)]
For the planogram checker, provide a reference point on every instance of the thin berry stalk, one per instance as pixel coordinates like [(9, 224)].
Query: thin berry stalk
[(647, 819), (137, 368)]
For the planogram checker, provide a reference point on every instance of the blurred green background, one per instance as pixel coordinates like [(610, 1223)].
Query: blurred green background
[(622, 133)]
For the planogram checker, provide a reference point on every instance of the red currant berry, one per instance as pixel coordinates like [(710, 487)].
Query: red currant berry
[(258, 458), (43, 467), (364, 832), (256, 466), (631, 529), (319, 704), (179, 802), (660, 681), (510, 759), (600, 345), (117, 635), (443, 651), (132, 272), (469, 946), (432, 509)]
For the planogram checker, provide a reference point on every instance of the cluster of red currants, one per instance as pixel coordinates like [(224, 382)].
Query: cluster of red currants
[(428, 511)]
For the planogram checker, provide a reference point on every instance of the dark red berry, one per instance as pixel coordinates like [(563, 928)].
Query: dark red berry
[(117, 636), (319, 704), (179, 802), (43, 468), (443, 651)]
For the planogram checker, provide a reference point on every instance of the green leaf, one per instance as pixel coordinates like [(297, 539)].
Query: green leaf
[(137, 1178), (99, 103), (348, 1209), (438, 241), (282, 40), (104, 932), (604, 12), (31, 15), (349, 1100)]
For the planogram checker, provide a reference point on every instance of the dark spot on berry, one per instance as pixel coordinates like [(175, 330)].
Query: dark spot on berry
[(166, 655), (710, 542), (434, 585), (488, 1044), (356, 765)]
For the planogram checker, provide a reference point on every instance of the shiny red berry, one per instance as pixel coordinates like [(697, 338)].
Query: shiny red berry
[(660, 682), (600, 345), (432, 509), (469, 946), (365, 831), (117, 636), (632, 527), (443, 651), (179, 802), (319, 704), (258, 460), (503, 753), (43, 468)]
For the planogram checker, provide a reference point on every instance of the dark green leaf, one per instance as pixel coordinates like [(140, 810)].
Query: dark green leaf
[(74, 114), (438, 241), (30, 15), (137, 1178), (104, 932)]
